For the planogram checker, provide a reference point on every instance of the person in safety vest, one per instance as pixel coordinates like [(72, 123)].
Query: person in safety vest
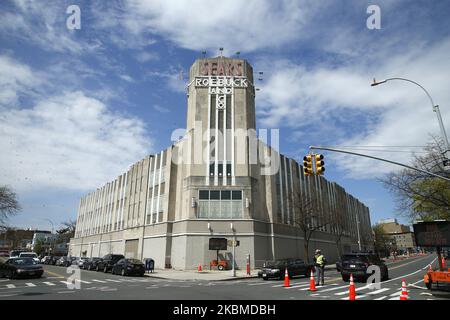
[(320, 261)]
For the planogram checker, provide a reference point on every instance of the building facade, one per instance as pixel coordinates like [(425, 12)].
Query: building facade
[(401, 235), (220, 179)]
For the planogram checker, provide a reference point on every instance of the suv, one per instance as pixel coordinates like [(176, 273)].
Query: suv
[(108, 261), (358, 263), (30, 254), (295, 267)]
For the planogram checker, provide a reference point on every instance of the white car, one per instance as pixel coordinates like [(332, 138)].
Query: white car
[(30, 255)]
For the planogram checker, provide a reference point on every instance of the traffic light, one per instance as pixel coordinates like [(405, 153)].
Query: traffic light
[(308, 165), (320, 164)]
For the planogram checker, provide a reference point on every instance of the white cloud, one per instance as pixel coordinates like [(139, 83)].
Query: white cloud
[(126, 77), (70, 142), (234, 25), (161, 109), (15, 79), (146, 56), (315, 99)]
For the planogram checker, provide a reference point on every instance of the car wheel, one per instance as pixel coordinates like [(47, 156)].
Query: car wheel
[(105, 269), (123, 273), (220, 268), (97, 269), (11, 275), (346, 278), (386, 276), (265, 278)]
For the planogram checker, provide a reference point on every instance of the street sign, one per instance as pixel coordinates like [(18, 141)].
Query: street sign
[(217, 244), (432, 234), (230, 243)]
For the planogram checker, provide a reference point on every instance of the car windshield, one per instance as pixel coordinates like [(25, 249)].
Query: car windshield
[(134, 261), (277, 263), (28, 255), (354, 258), (23, 261)]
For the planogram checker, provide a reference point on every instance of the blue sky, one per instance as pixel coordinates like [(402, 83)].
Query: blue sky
[(77, 107)]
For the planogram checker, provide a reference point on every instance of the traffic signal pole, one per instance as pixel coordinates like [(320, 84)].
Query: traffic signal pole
[(379, 159)]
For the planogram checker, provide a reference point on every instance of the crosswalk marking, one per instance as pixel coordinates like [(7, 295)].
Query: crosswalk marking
[(66, 282), (83, 281), (298, 286), (49, 283), (378, 291), (325, 286), (381, 298), (395, 294), (10, 286), (101, 281), (258, 284), (346, 291), (29, 284), (357, 297), (112, 280)]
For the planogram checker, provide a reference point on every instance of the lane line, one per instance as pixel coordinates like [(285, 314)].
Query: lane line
[(381, 298), (112, 280), (49, 283), (29, 284), (10, 286)]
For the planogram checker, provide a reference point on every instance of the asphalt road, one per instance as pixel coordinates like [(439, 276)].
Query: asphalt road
[(98, 285)]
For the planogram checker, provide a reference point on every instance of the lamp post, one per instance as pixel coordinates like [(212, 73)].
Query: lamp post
[(233, 270), (435, 109), (51, 238)]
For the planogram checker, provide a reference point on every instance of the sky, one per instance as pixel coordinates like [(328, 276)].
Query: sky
[(79, 106)]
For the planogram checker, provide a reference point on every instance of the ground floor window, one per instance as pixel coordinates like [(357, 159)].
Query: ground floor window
[(220, 204)]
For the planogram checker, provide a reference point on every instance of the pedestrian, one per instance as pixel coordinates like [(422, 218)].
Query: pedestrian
[(320, 261), (149, 265)]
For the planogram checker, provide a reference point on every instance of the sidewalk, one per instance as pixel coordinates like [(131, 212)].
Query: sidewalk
[(213, 275)]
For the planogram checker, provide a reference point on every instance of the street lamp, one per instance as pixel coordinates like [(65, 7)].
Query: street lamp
[(233, 270), (435, 109), (51, 238)]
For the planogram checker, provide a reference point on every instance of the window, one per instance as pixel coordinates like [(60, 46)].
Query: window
[(220, 204)]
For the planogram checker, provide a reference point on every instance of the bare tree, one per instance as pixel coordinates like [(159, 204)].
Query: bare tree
[(9, 205), (307, 218), (420, 196)]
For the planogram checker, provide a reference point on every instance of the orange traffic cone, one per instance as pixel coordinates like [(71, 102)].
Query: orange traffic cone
[(404, 295), (286, 278), (352, 291), (199, 268), (312, 283)]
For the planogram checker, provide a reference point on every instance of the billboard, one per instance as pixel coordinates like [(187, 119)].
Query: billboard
[(217, 244), (432, 234)]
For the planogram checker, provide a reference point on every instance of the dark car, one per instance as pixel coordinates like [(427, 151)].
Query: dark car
[(127, 267), (108, 262), (20, 268), (295, 267), (358, 263), (91, 263)]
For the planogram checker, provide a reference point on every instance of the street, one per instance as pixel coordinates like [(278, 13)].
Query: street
[(98, 285)]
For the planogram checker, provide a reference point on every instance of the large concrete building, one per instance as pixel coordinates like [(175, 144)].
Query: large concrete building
[(219, 179)]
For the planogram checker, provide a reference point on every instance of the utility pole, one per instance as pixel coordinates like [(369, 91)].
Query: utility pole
[(379, 159)]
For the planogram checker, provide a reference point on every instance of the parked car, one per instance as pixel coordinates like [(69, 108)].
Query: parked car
[(64, 261), (127, 267), (108, 262), (295, 267), (20, 267), (15, 253), (91, 263), (46, 260), (79, 261), (357, 264), (32, 255)]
